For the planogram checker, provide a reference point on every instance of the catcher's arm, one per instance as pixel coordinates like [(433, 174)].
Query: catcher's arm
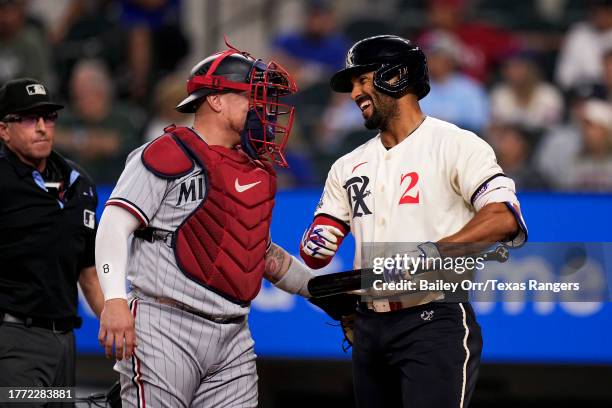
[(286, 272)]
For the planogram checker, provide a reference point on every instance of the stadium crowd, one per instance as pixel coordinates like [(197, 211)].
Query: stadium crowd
[(533, 78)]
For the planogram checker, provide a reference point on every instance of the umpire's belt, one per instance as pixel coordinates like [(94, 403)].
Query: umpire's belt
[(57, 325)]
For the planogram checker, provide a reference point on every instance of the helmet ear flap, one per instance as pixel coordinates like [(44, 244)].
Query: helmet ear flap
[(392, 79), (397, 80)]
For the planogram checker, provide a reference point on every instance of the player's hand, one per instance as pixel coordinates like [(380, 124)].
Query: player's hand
[(117, 328), (321, 241)]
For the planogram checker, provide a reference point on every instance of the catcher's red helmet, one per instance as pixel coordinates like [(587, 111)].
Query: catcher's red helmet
[(269, 121)]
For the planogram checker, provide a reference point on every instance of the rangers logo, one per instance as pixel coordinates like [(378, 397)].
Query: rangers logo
[(350, 58), (357, 191)]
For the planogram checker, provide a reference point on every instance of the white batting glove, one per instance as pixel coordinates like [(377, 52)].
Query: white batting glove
[(321, 241)]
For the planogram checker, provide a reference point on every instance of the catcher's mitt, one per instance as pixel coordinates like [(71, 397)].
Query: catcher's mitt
[(341, 308)]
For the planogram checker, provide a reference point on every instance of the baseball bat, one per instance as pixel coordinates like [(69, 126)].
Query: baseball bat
[(348, 281)]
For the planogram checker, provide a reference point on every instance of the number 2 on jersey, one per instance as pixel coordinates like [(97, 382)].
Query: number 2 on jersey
[(406, 197)]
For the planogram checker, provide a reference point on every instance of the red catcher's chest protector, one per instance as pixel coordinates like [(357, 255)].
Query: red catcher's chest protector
[(222, 244)]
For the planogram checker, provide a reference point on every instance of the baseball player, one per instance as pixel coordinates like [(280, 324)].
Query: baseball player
[(198, 202), (420, 180)]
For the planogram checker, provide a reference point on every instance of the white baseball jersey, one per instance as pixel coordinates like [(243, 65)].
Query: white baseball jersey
[(420, 190), (164, 204)]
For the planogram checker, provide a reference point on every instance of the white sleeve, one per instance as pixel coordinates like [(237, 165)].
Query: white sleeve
[(475, 164), (138, 190), (501, 190), (481, 181), (334, 201), (116, 226)]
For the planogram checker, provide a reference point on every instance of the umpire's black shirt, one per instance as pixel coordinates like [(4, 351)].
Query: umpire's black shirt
[(47, 235)]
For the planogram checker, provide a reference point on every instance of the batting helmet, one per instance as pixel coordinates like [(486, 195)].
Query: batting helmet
[(390, 57)]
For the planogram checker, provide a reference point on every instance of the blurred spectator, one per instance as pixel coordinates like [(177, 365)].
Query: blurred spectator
[(23, 52), (454, 96), (591, 170), (523, 97), (607, 75), (585, 161), (481, 46), (513, 145), (87, 29), (580, 57), (98, 131), (315, 52), (155, 41), (341, 117), (168, 93)]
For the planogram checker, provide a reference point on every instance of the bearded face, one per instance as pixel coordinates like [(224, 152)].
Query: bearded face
[(378, 109)]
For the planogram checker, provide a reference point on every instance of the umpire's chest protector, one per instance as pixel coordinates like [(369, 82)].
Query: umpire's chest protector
[(222, 244)]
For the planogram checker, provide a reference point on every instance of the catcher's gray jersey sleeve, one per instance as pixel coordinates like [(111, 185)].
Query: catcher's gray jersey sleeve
[(138, 190)]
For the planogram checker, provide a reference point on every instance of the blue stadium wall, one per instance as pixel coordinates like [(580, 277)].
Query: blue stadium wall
[(288, 327)]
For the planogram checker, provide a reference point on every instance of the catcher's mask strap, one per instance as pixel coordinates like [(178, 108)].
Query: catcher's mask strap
[(215, 81)]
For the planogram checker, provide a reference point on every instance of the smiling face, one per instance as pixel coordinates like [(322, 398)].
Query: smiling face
[(30, 140), (377, 108)]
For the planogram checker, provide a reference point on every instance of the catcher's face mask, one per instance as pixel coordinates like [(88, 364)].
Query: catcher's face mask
[(269, 120)]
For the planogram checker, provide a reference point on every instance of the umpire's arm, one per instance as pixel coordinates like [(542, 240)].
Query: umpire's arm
[(90, 285)]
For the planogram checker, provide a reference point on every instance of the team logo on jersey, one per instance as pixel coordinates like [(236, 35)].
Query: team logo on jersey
[(89, 219), (319, 204), (357, 189), (191, 190)]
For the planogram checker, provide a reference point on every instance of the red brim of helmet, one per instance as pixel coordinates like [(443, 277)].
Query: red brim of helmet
[(341, 80)]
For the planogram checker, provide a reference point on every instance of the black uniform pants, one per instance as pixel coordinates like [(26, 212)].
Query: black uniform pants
[(35, 357), (422, 357)]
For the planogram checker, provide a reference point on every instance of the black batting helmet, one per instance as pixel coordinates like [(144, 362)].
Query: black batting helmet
[(389, 56)]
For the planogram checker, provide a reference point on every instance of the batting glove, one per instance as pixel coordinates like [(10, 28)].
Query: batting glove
[(321, 241), (427, 251)]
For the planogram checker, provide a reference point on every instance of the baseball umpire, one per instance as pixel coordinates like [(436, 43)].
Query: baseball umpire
[(47, 236), (423, 181), (199, 203)]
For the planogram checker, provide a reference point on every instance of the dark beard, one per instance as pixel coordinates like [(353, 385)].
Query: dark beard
[(380, 117), (375, 121)]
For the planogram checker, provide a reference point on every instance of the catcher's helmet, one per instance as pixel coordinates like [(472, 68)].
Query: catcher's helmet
[(217, 73), (389, 56), (269, 120)]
